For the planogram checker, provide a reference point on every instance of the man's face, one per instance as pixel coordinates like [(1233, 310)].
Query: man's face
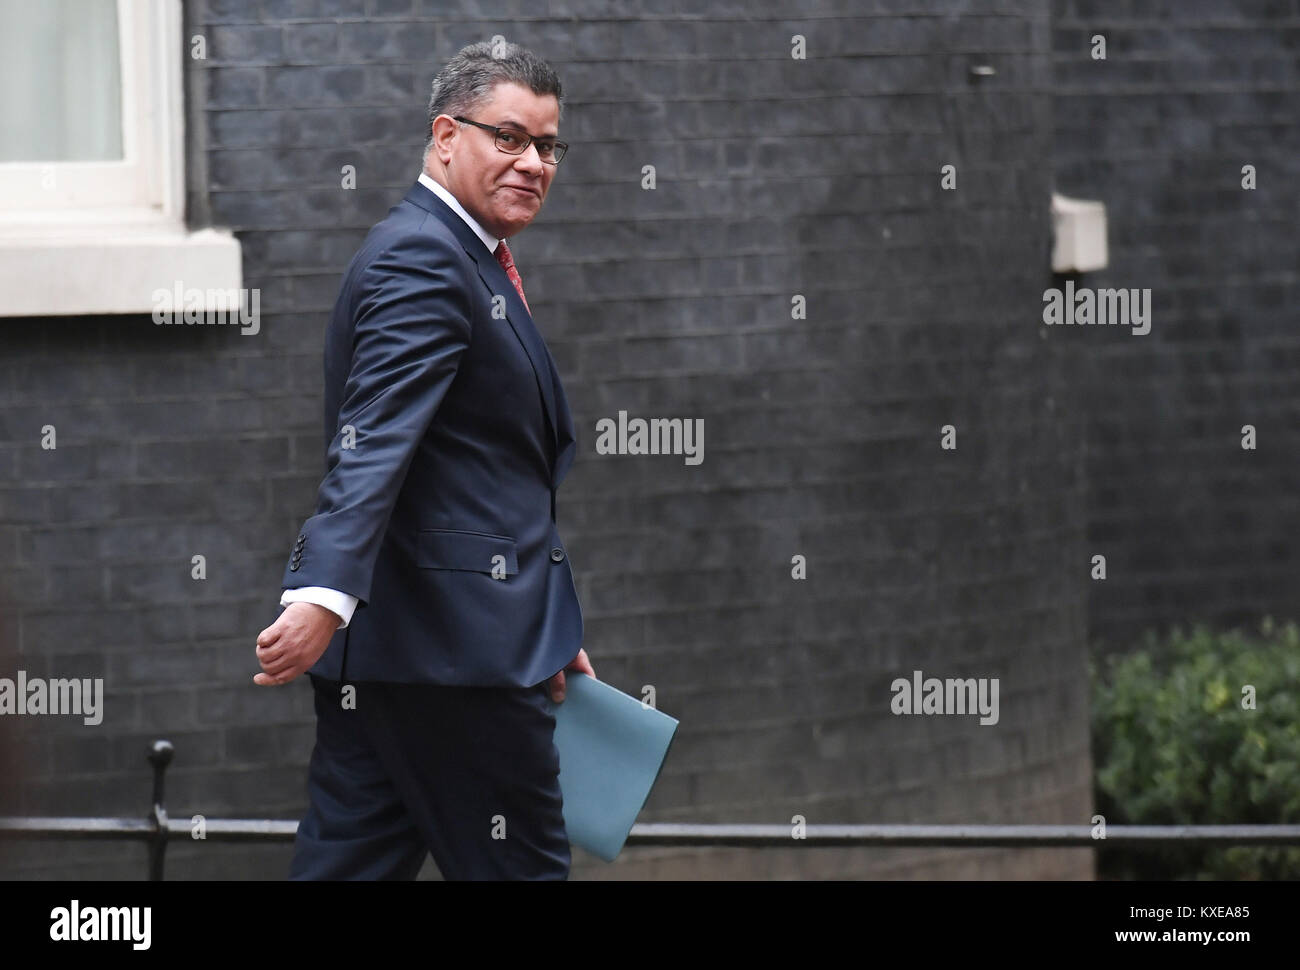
[(503, 192)]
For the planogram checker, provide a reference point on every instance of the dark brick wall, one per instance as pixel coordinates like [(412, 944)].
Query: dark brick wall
[(775, 177), (1192, 525)]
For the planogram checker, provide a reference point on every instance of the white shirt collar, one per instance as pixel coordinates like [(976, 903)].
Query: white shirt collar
[(437, 189)]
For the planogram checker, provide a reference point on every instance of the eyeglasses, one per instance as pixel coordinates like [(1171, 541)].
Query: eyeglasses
[(512, 141)]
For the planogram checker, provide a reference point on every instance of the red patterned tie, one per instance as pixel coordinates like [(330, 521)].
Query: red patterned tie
[(508, 264)]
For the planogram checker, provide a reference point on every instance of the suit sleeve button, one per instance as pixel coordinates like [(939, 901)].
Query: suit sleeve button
[(557, 554)]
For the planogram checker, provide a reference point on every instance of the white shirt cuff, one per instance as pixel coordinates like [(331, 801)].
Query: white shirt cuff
[(344, 604)]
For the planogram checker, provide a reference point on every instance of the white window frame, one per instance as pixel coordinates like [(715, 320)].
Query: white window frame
[(101, 237)]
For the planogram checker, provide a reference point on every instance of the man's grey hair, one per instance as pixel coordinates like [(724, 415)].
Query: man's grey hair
[(467, 80)]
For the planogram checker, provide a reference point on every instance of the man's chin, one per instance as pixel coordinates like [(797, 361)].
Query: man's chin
[(514, 227), (520, 213)]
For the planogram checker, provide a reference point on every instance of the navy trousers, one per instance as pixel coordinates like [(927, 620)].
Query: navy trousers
[(469, 774)]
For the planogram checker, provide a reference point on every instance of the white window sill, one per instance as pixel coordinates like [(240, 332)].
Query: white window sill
[(57, 267)]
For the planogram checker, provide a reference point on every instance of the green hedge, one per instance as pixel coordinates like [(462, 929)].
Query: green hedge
[(1174, 742)]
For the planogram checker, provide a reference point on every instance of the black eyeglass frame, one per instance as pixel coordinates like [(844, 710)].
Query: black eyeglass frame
[(560, 147)]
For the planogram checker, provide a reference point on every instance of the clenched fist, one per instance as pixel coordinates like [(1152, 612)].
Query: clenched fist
[(294, 642)]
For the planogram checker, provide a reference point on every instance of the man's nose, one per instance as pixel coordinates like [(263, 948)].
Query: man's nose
[(530, 161)]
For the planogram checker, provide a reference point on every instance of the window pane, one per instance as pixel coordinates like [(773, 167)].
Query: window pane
[(60, 81)]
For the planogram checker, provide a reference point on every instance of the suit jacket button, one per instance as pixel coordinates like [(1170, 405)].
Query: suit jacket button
[(557, 554)]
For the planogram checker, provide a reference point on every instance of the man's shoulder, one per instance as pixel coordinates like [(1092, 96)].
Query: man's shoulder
[(415, 225), (410, 231)]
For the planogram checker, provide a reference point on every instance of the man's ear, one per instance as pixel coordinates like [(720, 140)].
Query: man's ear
[(444, 134)]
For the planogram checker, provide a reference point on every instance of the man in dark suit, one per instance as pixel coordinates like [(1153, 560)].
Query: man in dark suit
[(430, 597)]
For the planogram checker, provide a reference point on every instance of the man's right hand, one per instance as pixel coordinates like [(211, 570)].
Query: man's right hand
[(555, 683), (294, 642)]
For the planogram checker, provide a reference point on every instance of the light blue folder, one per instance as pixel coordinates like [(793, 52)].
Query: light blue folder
[(611, 749)]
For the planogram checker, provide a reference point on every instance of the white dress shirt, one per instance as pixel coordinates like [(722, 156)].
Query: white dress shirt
[(345, 604)]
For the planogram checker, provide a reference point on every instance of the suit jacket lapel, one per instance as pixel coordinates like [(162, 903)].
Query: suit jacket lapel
[(498, 283), (566, 439)]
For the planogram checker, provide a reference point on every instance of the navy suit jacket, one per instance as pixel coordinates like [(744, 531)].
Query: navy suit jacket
[(440, 518)]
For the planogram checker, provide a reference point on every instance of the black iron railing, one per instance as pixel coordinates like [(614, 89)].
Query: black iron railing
[(157, 829)]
